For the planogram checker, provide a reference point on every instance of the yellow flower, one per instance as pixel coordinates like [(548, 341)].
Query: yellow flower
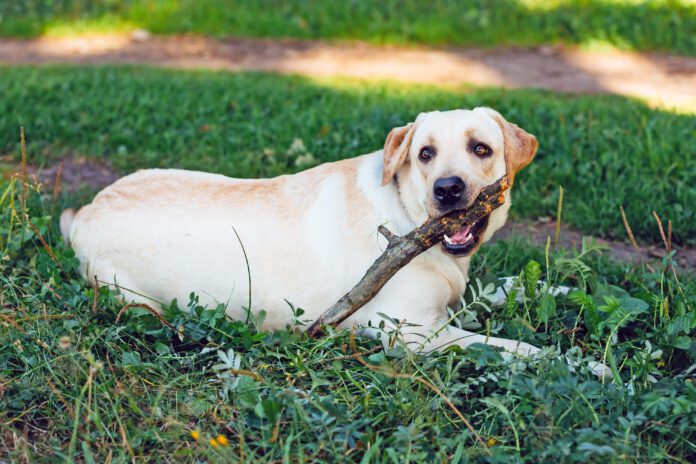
[(491, 442), (222, 440), (213, 443), (64, 343), (195, 434)]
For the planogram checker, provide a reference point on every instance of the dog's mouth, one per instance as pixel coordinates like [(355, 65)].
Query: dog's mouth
[(466, 239)]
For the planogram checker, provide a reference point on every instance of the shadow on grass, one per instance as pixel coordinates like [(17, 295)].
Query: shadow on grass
[(605, 151)]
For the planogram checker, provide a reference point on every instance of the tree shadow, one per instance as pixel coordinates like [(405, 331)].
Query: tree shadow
[(666, 80), (605, 152)]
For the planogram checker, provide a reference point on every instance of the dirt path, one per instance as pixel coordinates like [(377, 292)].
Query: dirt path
[(662, 80)]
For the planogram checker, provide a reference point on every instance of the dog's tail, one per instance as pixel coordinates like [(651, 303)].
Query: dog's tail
[(66, 219)]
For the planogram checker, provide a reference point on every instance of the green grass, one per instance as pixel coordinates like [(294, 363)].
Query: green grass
[(668, 25), (604, 151), (78, 385)]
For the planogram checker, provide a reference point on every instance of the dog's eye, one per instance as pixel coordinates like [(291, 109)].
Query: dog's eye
[(482, 150), (426, 153)]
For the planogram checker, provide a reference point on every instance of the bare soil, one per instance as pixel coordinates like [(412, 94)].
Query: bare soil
[(76, 173), (538, 232), (663, 80)]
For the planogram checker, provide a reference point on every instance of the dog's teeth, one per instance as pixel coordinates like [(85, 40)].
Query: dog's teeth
[(447, 239), (469, 237)]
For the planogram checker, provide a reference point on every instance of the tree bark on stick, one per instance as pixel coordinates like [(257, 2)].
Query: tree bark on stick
[(402, 249)]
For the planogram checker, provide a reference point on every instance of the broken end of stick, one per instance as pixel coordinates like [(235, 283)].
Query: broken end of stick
[(505, 183)]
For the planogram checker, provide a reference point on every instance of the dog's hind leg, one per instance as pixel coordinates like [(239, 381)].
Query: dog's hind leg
[(66, 219)]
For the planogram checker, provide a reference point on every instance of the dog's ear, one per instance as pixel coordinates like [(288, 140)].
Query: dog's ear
[(396, 149), (520, 146)]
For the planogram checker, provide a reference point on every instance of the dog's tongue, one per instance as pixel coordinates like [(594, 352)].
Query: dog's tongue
[(462, 236)]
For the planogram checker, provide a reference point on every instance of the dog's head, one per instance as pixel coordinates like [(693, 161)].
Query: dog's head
[(444, 159)]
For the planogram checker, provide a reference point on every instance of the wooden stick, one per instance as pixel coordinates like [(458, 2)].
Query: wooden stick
[(401, 250)]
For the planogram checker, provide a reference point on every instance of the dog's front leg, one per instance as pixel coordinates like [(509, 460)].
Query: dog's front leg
[(427, 336), (433, 335), (441, 335), (411, 298)]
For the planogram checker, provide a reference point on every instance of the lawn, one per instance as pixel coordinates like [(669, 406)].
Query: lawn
[(606, 152), (81, 381), (668, 25)]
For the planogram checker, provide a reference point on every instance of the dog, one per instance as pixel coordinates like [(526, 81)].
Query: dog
[(307, 238)]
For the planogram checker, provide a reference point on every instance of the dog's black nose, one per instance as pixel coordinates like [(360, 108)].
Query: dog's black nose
[(449, 191)]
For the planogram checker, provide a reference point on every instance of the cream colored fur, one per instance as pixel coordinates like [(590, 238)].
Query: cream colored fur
[(161, 234)]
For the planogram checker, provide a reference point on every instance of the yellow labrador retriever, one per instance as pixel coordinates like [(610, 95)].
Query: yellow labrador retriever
[(309, 237)]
